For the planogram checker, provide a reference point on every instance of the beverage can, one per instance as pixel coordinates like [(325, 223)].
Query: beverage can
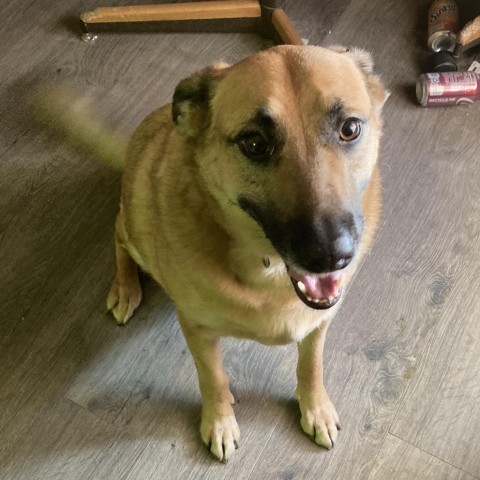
[(448, 88)]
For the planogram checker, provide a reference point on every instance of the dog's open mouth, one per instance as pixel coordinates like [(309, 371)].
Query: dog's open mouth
[(317, 290)]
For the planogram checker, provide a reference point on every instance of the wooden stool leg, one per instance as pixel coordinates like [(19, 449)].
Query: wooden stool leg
[(274, 21), (285, 28), (174, 11)]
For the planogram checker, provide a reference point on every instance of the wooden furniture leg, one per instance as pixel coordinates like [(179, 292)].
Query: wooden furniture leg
[(285, 28), (273, 20), (174, 11)]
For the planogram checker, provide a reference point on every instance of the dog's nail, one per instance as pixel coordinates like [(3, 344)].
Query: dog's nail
[(266, 262), (338, 426), (236, 444), (224, 458)]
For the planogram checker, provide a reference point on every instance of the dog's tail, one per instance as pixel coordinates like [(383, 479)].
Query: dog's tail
[(71, 115)]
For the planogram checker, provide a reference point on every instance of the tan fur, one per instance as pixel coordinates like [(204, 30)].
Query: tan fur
[(178, 220)]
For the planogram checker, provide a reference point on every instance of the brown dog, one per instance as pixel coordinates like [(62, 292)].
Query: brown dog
[(252, 209)]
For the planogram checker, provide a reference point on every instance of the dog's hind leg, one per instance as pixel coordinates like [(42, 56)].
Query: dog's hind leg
[(126, 293), (319, 417), (218, 429)]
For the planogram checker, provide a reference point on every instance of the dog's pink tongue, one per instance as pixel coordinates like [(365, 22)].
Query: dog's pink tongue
[(319, 287)]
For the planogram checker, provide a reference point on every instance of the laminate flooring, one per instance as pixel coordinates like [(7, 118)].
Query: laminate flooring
[(81, 398)]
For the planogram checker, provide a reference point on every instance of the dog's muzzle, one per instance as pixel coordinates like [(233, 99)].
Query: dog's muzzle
[(315, 250), (322, 254)]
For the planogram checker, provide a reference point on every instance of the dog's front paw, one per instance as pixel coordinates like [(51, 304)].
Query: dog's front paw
[(319, 419), (123, 299), (219, 430)]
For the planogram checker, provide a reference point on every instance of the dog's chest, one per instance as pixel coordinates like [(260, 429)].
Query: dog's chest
[(264, 318)]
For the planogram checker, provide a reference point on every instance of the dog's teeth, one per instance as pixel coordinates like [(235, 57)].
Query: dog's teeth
[(301, 286), (316, 300), (310, 299), (331, 298)]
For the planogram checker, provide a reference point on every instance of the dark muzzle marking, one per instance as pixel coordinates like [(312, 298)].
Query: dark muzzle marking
[(323, 244)]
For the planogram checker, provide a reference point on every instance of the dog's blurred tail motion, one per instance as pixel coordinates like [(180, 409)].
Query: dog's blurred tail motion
[(71, 115)]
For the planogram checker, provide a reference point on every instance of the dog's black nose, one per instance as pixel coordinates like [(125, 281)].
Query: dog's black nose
[(343, 250), (327, 245)]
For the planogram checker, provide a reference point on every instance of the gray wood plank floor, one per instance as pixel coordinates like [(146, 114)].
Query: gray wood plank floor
[(83, 398)]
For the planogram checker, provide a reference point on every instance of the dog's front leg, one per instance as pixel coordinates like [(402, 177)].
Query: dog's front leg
[(319, 417), (219, 428)]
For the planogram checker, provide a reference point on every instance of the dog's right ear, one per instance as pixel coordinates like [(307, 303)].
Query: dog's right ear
[(191, 100)]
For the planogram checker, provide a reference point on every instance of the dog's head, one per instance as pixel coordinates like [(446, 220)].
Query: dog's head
[(286, 143)]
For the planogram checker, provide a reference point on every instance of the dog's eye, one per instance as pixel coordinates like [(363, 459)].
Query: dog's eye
[(350, 130), (255, 146)]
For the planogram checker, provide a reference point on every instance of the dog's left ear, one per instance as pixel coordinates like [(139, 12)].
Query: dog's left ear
[(191, 100), (363, 59)]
